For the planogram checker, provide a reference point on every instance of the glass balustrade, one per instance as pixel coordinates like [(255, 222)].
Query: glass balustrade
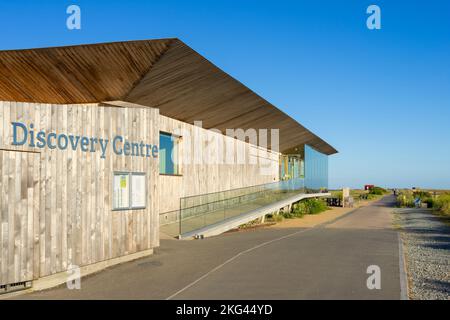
[(202, 210)]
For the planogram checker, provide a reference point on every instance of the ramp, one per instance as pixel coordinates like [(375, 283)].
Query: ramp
[(216, 212), (234, 222)]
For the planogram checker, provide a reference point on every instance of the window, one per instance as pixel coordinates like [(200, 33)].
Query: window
[(129, 191), (316, 169), (292, 167), (168, 154)]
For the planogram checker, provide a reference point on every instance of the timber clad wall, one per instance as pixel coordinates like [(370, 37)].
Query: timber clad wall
[(19, 209), (209, 177), (56, 204)]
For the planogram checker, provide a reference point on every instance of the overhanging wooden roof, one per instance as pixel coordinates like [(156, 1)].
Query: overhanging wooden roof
[(164, 74)]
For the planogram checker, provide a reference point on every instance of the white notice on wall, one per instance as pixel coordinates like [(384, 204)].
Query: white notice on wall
[(121, 197), (138, 191)]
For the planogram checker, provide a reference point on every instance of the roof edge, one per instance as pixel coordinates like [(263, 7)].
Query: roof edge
[(94, 44)]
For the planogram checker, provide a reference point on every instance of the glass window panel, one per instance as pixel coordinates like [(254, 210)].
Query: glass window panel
[(168, 151), (316, 169), (302, 168)]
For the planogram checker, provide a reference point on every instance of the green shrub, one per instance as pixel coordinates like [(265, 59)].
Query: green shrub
[(429, 201), (300, 209), (308, 206), (423, 195), (442, 203), (405, 199), (288, 215), (316, 206), (275, 217), (377, 191)]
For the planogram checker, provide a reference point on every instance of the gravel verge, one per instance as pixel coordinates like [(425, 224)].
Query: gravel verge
[(426, 241)]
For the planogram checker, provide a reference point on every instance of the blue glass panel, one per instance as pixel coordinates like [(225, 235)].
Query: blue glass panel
[(316, 169), (166, 148), (296, 169)]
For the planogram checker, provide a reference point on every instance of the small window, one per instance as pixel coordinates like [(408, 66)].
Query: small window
[(129, 191), (168, 154)]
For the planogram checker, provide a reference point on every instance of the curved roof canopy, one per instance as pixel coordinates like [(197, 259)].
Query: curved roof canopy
[(164, 74)]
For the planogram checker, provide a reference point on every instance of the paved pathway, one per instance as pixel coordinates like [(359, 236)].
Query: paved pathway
[(326, 262)]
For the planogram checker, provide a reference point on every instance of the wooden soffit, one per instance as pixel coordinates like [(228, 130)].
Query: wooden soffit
[(165, 74)]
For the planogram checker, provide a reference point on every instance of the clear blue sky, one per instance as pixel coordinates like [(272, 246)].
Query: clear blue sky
[(382, 97)]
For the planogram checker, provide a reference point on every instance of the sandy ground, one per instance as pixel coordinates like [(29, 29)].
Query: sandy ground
[(312, 220)]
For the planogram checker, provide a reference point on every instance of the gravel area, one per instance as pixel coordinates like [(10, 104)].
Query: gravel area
[(426, 241)]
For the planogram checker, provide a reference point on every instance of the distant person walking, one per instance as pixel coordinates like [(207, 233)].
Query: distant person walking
[(417, 202)]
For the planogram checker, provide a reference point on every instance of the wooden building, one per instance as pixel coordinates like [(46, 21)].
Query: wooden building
[(84, 172)]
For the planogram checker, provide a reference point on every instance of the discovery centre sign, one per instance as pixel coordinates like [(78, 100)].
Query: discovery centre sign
[(23, 135)]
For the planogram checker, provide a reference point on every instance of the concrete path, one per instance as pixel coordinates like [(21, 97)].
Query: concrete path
[(325, 262)]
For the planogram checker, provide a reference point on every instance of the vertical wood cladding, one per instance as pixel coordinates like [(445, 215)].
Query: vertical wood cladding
[(56, 204), (213, 175), (74, 223)]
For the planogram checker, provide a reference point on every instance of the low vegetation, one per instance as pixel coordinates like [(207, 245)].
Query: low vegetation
[(439, 201), (304, 207), (336, 194), (405, 199), (372, 194), (442, 204), (377, 191), (359, 194), (274, 217)]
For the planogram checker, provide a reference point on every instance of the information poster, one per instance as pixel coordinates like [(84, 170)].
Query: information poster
[(138, 191), (121, 191)]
